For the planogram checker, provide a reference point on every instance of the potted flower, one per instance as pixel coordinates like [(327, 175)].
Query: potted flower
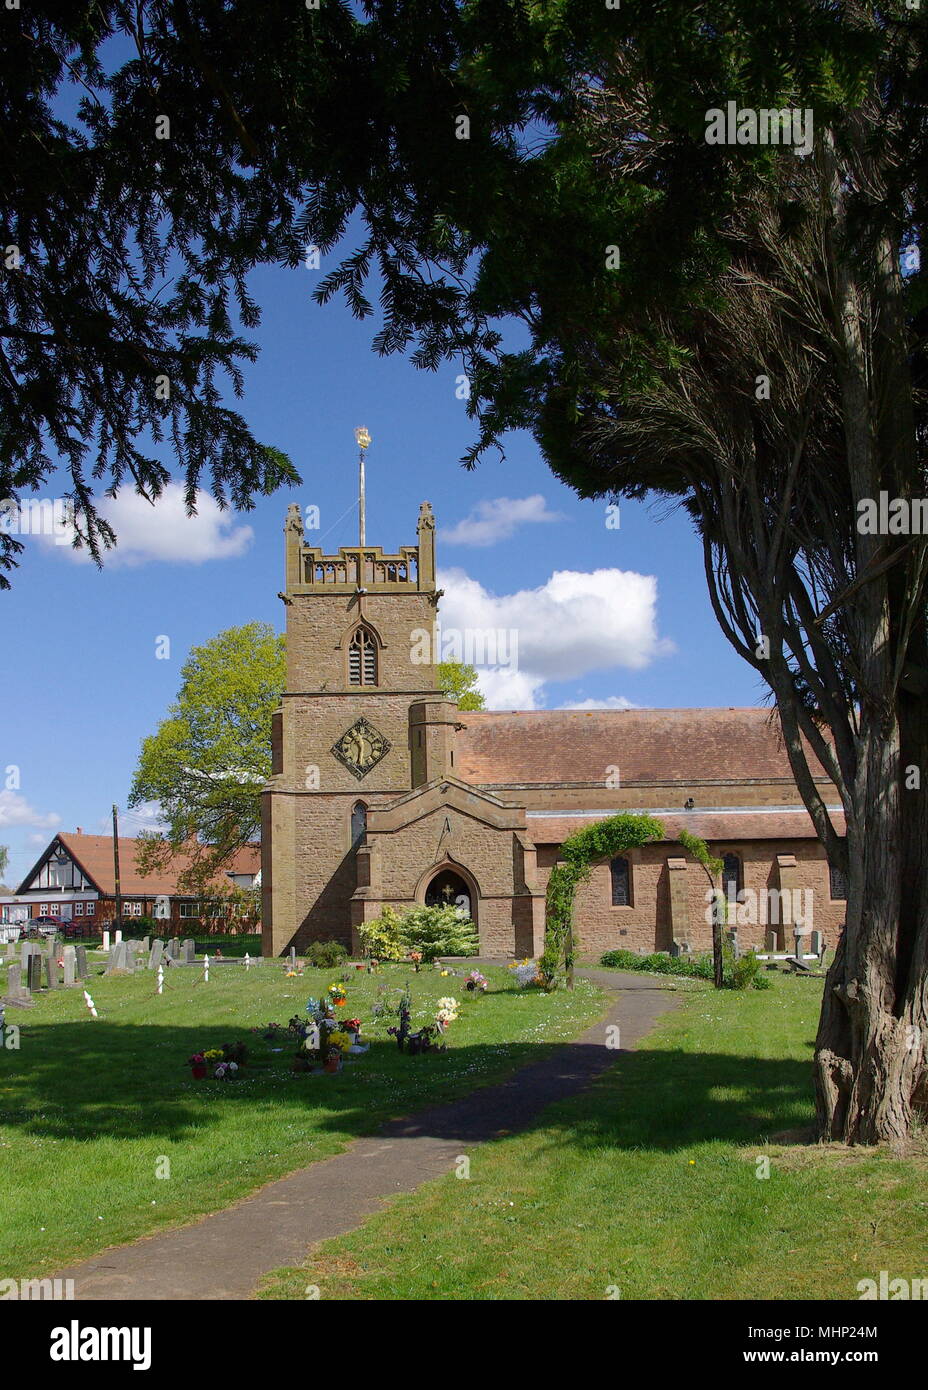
[(333, 1058), (352, 1027), (476, 983), (337, 995), (197, 1064)]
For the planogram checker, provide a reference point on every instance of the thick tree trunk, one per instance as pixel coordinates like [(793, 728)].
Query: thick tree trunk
[(870, 1057)]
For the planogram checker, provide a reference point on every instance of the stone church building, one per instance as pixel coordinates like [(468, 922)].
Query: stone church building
[(384, 792)]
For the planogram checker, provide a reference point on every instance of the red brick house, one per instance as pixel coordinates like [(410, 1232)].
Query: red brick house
[(74, 878)]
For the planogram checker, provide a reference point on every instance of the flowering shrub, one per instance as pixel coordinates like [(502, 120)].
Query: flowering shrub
[(425, 932), (381, 938)]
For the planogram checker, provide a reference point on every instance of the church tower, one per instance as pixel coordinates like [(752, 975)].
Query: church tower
[(361, 723)]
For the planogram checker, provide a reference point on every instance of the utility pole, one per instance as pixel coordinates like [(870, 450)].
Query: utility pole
[(363, 441), (118, 922)]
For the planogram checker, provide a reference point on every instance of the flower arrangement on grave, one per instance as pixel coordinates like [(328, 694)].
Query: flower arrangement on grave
[(338, 994), (223, 1062), (197, 1064), (425, 1040), (526, 973), (447, 1011), (416, 958), (477, 983), (352, 1027)]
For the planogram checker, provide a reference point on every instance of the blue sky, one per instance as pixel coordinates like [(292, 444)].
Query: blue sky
[(82, 682)]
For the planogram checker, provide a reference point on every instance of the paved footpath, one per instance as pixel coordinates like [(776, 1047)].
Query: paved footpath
[(225, 1255)]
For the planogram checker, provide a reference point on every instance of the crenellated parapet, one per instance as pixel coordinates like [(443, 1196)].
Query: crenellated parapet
[(310, 570)]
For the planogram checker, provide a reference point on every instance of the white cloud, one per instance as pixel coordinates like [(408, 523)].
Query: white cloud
[(164, 531), (497, 519), (16, 810), (571, 625)]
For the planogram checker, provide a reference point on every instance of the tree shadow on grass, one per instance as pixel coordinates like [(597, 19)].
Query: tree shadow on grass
[(85, 1081)]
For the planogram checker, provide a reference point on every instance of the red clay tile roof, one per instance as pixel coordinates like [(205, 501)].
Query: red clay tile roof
[(510, 748), (715, 827), (94, 854)]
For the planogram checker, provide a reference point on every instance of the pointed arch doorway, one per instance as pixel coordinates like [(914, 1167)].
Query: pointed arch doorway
[(449, 888)]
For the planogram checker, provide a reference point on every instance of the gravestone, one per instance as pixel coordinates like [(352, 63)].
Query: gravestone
[(189, 951), (157, 951), (146, 945), (816, 944), (106, 939), (27, 949), (770, 940), (118, 935), (133, 951), (35, 972), (80, 956), (292, 957), (733, 943), (173, 951), (50, 961), (118, 958), (70, 965), (16, 991)]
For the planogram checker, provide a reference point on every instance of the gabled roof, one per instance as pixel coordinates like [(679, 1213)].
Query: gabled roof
[(686, 746), (93, 855)]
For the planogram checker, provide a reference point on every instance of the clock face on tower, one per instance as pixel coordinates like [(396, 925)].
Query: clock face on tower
[(360, 748)]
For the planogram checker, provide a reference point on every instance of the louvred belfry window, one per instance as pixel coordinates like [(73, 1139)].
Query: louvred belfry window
[(362, 658)]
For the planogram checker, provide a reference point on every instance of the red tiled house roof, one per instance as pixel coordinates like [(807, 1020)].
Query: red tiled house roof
[(94, 856)]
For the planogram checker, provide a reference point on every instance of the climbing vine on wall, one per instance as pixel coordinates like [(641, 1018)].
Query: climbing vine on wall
[(603, 840)]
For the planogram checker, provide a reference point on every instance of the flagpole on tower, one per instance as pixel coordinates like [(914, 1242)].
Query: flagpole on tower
[(363, 441)]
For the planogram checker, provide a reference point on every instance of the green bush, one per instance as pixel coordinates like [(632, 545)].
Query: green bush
[(325, 955), (736, 974), (439, 931), (742, 973), (435, 931), (381, 938)]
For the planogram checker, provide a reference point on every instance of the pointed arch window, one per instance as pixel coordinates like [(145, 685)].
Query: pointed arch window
[(362, 658), (837, 883), (731, 877), (621, 883), (358, 823)]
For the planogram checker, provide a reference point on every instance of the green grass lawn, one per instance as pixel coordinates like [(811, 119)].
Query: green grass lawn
[(90, 1108), (646, 1186)]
